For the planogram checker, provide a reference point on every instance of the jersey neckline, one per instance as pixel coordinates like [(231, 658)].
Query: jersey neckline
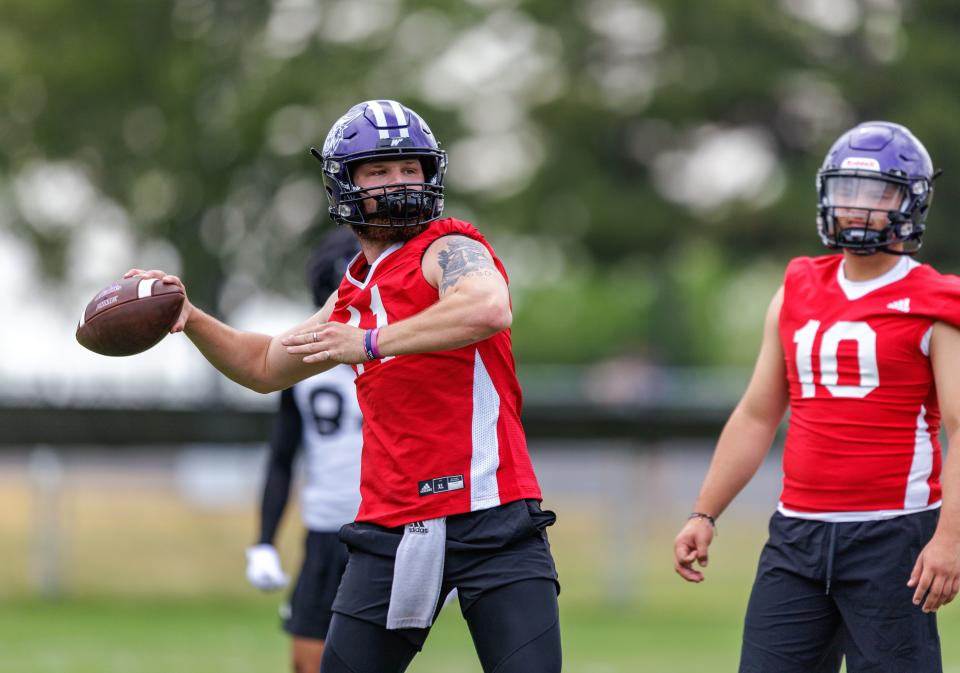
[(373, 267), (855, 289)]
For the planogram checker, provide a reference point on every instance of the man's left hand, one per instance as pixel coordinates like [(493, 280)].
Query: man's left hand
[(936, 573), (328, 341)]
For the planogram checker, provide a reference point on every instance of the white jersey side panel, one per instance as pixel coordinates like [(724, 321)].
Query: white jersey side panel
[(332, 440)]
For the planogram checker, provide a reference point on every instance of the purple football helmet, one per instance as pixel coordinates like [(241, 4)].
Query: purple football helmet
[(875, 167), (383, 130)]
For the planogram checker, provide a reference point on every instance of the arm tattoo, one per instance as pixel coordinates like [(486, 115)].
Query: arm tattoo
[(463, 257)]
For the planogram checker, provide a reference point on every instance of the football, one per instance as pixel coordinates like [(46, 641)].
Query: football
[(129, 316)]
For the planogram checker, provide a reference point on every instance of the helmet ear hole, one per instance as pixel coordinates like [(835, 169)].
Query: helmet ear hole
[(429, 170)]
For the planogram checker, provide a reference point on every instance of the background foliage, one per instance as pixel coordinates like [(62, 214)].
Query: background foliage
[(645, 168)]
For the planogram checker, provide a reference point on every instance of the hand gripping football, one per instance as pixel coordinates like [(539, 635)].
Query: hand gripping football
[(129, 316)]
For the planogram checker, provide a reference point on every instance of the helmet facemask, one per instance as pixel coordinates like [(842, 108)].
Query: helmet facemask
[(868, 212), (404, 204)]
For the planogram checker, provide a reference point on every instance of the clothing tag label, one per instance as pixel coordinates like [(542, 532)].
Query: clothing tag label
[(440, 484)]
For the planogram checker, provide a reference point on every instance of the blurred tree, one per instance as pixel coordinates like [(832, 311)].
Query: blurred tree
[(646, 168)]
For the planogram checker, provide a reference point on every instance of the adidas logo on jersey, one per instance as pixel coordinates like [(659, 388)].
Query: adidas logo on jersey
[(425, 487), (902, 305), (417, 527)]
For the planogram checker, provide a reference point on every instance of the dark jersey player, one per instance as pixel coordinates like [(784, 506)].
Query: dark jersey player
[(448, 494), (863, 347), (319, 421)]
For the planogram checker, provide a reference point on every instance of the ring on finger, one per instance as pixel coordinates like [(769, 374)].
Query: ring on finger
[(313, 337)]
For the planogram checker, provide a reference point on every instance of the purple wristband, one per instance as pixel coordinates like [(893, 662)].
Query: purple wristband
[(367, 347), (374, 347)]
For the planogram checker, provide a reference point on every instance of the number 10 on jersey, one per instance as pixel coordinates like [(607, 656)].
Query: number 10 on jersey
[(866, 340)]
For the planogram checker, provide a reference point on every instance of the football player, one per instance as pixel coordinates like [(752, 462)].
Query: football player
[(863, 347), (449, 498), (320, 415)]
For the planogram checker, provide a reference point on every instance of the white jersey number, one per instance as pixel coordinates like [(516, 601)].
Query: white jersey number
[(866, 340), (378, 311)]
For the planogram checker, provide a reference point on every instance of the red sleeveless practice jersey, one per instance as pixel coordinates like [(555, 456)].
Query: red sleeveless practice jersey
[(441, 431), (862, 441)]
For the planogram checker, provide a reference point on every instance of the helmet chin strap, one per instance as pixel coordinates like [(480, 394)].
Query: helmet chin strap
[(867, 252), (899, 253)]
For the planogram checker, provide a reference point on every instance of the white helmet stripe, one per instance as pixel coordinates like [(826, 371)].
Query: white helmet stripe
[(380, 118), (401, 118)]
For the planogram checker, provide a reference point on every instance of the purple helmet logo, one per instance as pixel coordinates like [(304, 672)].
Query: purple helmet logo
[(875, 171), (383, 130)]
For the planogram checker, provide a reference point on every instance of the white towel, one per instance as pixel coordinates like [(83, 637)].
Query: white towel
[(417, 574)]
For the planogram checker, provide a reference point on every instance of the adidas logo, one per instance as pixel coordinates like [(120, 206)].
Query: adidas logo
[(417, 527), (902, 305), (425, 487)]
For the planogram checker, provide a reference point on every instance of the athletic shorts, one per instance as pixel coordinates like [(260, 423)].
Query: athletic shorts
[(485, 550), (309, 612), (825, 591)]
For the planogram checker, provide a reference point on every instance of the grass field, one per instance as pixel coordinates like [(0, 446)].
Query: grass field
[(126, 635), (676, 630), (154, 585)]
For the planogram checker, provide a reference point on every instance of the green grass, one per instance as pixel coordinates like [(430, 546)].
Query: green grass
[(128, 635), (153, 586), (209, 635)]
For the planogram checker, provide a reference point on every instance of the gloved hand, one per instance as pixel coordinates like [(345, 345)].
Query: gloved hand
[(263, 568)]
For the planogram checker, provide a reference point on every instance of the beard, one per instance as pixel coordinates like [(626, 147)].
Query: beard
[(391, 234)]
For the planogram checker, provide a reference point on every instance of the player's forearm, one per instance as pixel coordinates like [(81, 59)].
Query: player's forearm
[(256, 361), (743, 444), (457, 320), (285, 440), (240, 356), (276, 492)]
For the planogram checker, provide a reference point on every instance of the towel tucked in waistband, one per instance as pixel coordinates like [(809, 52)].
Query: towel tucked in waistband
[(417, 574)]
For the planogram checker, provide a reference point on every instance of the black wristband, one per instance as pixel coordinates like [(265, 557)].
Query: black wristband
[(701, 515)]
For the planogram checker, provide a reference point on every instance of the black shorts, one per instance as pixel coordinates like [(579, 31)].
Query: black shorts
[(485, 550), (825, 591), (309, 612)]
